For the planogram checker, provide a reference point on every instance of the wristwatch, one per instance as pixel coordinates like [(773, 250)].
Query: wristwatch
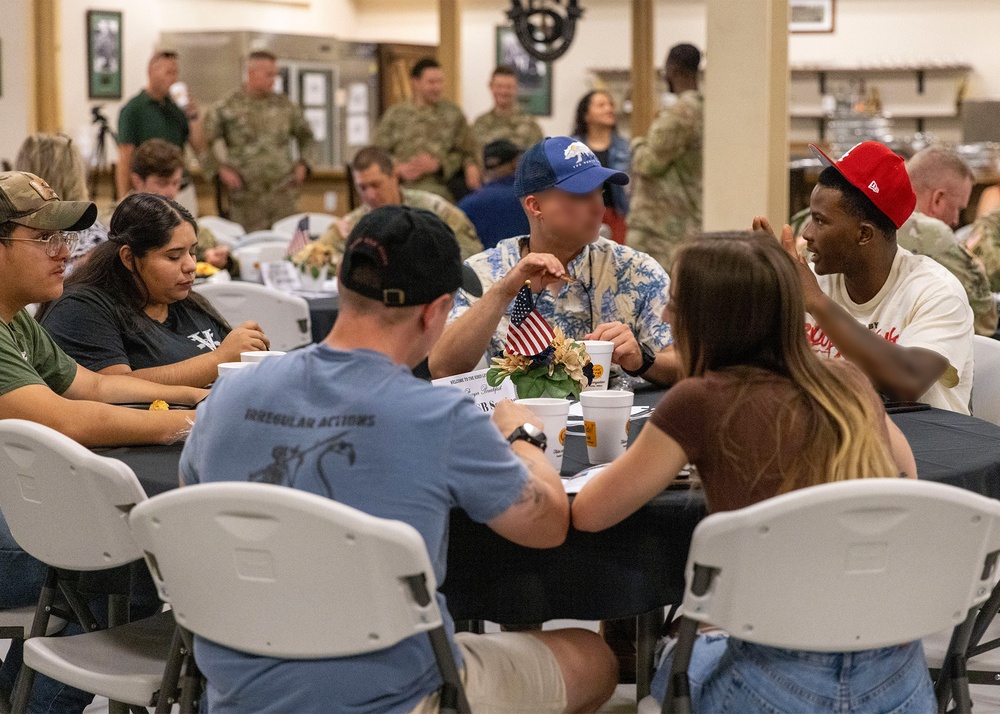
[(648, 359), (530, 433)]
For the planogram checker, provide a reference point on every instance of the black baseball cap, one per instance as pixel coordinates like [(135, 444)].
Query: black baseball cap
[(403, 256), (499, 152)]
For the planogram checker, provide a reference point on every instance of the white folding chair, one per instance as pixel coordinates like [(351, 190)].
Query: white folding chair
[(978, 664), (986, 379), (264, 236), (823, 569), (251, 257), (283, 317), (222, 228), (282, 573), (318, 223), (68, 507)]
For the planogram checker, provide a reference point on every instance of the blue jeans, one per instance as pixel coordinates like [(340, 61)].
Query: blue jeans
[(729, 676), (21, 580)]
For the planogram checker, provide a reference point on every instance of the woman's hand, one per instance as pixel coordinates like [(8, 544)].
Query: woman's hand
[(812, 293), (248, 337)]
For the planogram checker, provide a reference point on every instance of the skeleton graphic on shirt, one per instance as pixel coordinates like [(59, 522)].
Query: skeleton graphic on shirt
[(287, 461)]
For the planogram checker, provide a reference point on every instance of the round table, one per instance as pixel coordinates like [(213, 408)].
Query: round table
[(638, 565)]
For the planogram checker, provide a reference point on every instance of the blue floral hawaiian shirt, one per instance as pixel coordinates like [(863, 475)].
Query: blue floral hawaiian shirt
[(616, 284)]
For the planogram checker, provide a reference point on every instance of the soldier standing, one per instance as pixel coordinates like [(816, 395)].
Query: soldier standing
[(667, 166), (255, 124), (943, 184), (506, 120), (428, 136)]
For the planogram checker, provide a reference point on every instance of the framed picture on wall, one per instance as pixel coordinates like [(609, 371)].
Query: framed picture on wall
[(534, 77), (104, 54), (811, 15)]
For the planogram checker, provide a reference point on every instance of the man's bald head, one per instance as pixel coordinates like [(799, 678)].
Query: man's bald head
[(942, 181)]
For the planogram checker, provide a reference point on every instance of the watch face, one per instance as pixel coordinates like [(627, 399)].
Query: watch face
[(533, 431)]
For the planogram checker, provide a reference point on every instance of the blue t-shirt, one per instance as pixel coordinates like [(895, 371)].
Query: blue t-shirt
[(495, 210), (356, 427)]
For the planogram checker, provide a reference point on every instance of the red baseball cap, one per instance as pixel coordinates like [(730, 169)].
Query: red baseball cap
[(879, 174)]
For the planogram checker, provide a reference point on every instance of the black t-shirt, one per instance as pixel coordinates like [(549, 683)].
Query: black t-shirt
[(84, 324), (605, 158)]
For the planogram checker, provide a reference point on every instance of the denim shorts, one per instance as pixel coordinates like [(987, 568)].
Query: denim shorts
[(21, 576), (729, 676)]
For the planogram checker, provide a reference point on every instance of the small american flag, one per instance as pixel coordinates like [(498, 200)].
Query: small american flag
[(301, 238), (529, 334)]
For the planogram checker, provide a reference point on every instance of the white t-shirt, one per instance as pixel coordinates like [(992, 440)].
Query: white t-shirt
[(921, 305)]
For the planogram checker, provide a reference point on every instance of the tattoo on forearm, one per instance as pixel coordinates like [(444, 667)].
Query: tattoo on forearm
[(531, 492)]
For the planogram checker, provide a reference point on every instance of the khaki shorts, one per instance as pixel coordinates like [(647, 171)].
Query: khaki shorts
[(507, 673)]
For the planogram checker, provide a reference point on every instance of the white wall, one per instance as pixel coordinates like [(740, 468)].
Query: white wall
[(15, 104), (603, 39), (866, 30), (144, 20), (140, 20), (900, 31)]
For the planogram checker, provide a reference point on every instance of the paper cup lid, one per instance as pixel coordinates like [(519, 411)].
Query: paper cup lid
[(259, 355), (545, 405), (610, 398), (233, 366)]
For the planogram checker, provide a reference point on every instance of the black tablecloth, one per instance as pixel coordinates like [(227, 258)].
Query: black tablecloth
[(322, 314), (639, 564)]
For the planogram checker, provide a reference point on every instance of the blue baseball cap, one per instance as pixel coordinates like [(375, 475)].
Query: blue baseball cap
[(563, 163)]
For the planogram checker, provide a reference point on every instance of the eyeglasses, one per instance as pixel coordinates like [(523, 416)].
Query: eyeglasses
[(54, 242)]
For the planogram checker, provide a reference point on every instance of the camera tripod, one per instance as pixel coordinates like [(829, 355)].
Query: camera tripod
[(99, 158)]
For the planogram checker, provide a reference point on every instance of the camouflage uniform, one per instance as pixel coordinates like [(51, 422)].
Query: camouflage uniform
[(928, 236), (441, 130), (666, 180), (518, 128), (256, 132), (465, 232), (987, 247)]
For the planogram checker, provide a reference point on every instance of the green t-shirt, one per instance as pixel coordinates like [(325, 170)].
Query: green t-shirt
[(144, 118), (29, 356)]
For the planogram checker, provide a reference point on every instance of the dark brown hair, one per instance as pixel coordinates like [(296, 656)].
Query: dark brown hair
[(422, 65), (372, 156), (580, 119), (144, 222), (156, 157)]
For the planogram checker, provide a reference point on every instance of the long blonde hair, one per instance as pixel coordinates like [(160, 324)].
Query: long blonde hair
[(56, 159), (739, 308)]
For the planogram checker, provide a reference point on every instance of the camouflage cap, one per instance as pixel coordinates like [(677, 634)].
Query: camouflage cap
[(27, 200)]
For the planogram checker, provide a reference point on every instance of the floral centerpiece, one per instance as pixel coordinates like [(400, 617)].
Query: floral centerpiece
[(315, 261), (539, 360), (561, 370)]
